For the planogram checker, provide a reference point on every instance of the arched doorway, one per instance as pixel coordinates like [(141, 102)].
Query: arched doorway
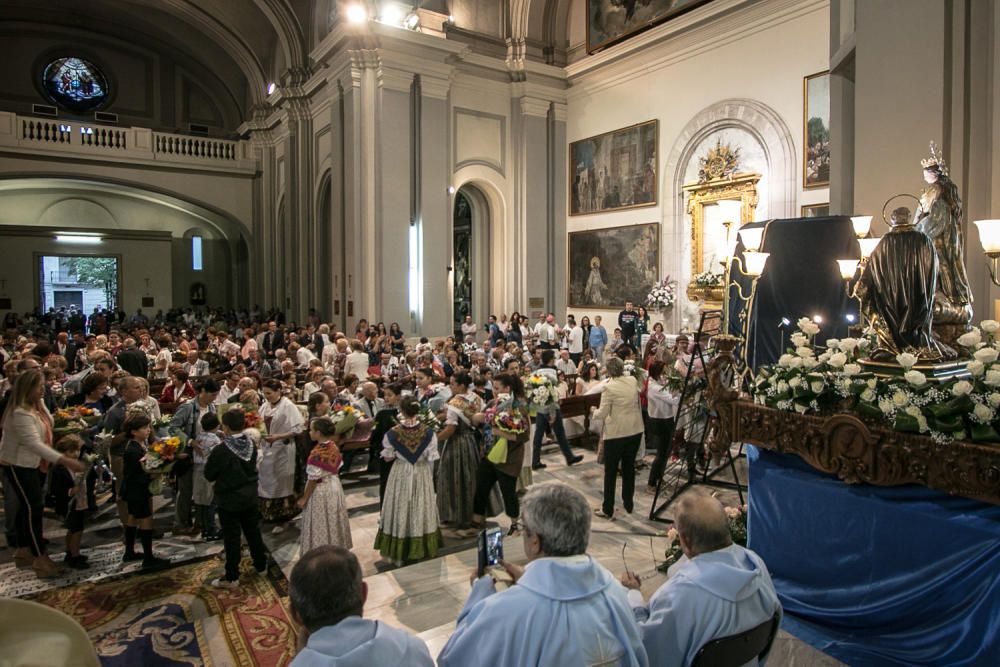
[(470, 257)]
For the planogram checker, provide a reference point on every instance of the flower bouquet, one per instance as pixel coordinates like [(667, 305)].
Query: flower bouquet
[(541, 392), (251, 417), (74, 419), (506, 426), (633, 369), (160, 458), (163, 421), (663, 294)]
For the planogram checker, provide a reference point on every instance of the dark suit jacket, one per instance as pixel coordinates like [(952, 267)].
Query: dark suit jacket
[(273, 341), (134, 361)]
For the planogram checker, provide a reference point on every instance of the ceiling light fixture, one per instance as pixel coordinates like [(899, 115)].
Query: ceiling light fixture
[(271, 87), (412, 21), (356, 14), (391, 14), (82, 239)]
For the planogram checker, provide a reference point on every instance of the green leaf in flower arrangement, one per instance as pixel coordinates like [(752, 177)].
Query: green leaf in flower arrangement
[(944, 424), (870, 410), (905, 423), (984, 433), (957, 406)]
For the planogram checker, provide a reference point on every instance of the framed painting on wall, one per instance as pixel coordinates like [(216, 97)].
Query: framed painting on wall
[(610, 266), (816, 131), (615, 170), (815, 210), (611, 21)]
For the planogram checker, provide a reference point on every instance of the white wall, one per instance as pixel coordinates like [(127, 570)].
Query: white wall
[(758, 51), (140, 259)]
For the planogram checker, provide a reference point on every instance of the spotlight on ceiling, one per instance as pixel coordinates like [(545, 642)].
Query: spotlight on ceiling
[(412, 21), (271, 87), (356, 14)]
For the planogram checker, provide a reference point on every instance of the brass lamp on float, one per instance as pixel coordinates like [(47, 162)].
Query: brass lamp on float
[(989, 236), (848, 267), (862, 225), (867, 248), (752, 238)]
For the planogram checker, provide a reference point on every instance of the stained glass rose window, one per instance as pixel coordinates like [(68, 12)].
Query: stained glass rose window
[(75, 84)]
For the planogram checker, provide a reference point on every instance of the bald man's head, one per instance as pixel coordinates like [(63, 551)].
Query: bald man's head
[(702, 524)]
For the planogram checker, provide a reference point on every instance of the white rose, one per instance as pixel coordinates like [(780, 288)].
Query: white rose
[(971, 339), (868, 395), (863, 343), (785, 361), (906, 360), (994, 399), (987, 355), (900, 399), (817, 386), (782, 387), (992, 378), (912, 410), (983, 413), (804, 352), (811, 329), (962, 388), (922, 424), (825, 357), (810, 363), (916, 378), (871, 382), (976, 368), (794, 382), (851, 369), (798, 339), (848, 345), (989, 326), (801, 409), (886, 406), (796, 362), (832, 343), (838, 360)]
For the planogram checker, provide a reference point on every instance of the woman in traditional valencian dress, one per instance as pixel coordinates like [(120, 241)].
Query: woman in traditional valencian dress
[(456, 473), (324, 517), (408, 528), (276, 464)]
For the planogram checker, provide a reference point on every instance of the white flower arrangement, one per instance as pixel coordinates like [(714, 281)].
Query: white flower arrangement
[(809, 381), (708, 279), (663, 294)]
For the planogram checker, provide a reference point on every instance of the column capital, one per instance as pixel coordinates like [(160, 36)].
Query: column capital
[(532, 106)]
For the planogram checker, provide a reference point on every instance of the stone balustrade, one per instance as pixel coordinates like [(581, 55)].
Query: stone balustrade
[(31, 134)]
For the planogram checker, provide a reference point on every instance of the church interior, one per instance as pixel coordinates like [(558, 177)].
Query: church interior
[(417, 267)]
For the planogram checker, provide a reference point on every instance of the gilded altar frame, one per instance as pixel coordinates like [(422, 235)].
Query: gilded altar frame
[(741, 187)]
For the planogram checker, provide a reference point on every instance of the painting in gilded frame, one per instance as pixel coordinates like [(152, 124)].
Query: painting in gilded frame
[(615, 170), (815, 210), (611, 21), (610, 266), (816, 131)]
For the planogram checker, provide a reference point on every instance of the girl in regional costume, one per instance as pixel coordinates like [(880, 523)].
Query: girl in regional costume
[(324, 518), (276, 465), (408, 528)]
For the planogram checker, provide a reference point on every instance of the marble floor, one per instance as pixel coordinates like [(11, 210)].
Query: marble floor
[(425, 598)]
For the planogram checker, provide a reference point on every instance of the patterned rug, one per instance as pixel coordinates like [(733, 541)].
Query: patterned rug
[(174, 617)]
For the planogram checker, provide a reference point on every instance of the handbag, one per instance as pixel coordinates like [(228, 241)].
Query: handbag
[(498, 453)]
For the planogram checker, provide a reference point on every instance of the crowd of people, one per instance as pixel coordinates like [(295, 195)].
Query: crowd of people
[(272, 414)]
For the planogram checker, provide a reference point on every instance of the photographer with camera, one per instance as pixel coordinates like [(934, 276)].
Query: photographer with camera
[(564, 607)]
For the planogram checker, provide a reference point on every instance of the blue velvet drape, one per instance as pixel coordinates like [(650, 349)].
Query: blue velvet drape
[(878, 575)]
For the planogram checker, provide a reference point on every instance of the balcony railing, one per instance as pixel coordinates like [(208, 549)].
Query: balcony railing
[(42, 135)]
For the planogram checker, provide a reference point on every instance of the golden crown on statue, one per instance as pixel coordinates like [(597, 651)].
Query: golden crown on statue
[(935, 160)]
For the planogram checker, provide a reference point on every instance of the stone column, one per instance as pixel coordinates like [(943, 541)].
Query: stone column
[(434, 204), (534, 203)]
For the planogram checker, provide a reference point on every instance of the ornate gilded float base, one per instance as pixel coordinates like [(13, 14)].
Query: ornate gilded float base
[(847, 447)]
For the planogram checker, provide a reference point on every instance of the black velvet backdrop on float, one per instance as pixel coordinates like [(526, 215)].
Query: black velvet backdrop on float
[(801, 279)]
